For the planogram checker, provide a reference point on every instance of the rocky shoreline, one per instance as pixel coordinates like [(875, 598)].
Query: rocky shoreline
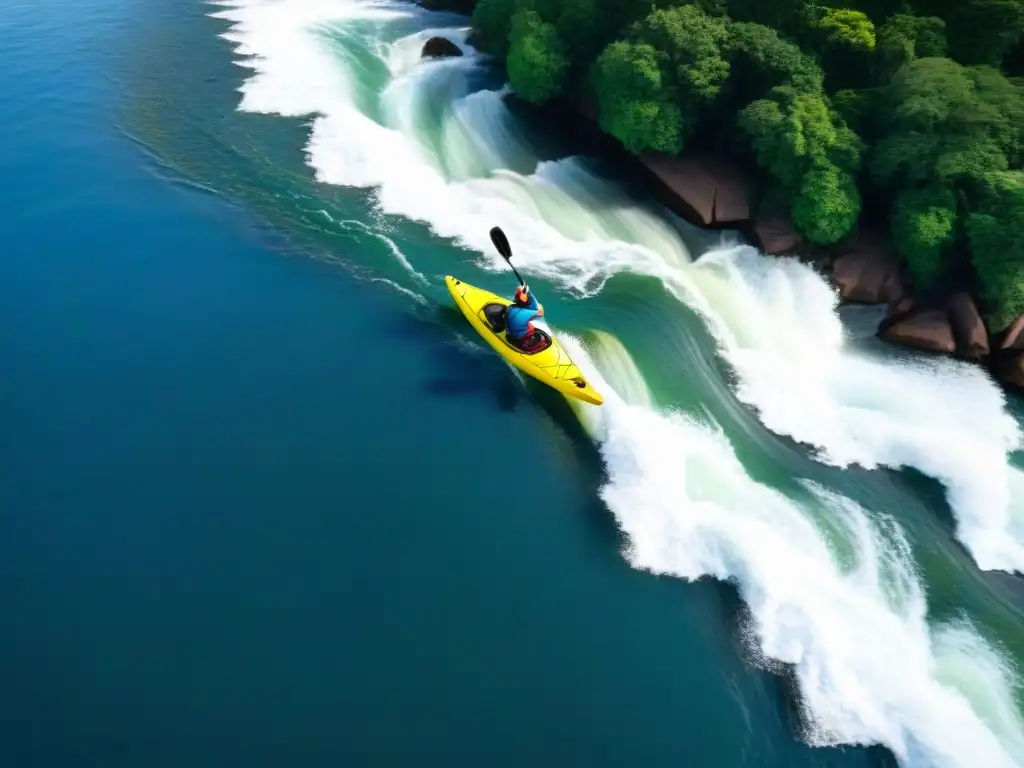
[(714, 193)]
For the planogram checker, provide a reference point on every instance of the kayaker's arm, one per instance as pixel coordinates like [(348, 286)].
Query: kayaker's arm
[(532, 303)]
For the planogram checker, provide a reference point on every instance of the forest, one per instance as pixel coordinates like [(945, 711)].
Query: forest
[(912, 112)]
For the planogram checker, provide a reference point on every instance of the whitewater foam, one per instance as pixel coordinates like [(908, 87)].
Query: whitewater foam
[(853, 624), (777, 323)]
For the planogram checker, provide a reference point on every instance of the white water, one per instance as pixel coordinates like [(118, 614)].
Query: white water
[(870, 667)]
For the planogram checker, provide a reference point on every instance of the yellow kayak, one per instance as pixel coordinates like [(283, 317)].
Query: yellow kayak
[(550, 365)]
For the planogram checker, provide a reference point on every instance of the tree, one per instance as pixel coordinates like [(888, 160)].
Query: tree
[(760, 60), (634, 103), (586, 27), (943, 122), (984, 31), (794, 132), (537, 64), (995, 232), (491, 20), (904, 38), (827, 205), (692, 42), (923, 229), (845, 28)]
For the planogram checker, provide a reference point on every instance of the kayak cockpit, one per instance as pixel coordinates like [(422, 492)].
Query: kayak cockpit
[(494, 315)]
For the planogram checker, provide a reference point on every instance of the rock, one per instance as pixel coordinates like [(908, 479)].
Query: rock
[(928, 330), (899, 308), (440, 48), (867, 271), (456, 6), (776, 235), (968, 328), (1013, 338), (705, 190), (1010, 371)]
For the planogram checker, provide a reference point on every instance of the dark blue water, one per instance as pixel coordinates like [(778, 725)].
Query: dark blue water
[(254, 511)]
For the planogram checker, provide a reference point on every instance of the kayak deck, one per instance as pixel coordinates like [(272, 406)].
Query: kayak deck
[(550, 365)]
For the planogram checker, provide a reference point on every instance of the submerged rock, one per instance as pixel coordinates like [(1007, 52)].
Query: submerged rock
[(440, 48), (968, 327), (928, 330), (703, 189)]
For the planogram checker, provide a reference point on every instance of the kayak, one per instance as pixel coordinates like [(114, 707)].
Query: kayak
[(548, 362)]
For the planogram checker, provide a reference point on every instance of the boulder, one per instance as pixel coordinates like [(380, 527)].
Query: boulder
[(1010, 371), (1013, 338), (440, 48), (968, 327), (776, 235), (899, 308), (705, 190), (929, 330), (867, 271)]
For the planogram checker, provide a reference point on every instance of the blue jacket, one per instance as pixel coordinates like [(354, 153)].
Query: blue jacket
[(518, 317)]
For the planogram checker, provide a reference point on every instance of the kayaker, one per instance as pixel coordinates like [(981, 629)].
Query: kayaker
[(519, 320)]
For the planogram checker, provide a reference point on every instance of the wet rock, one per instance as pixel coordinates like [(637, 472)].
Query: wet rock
[(1013, 338), (705, 190), (1010, 371), (776, 235), (929, 330), (867, 271), (968, 327), (899, 308), (440, 48)]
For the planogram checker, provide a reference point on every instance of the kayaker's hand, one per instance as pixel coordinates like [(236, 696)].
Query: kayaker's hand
[(540, 309)]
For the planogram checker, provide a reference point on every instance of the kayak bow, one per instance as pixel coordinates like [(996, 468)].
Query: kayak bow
[(551, 365)]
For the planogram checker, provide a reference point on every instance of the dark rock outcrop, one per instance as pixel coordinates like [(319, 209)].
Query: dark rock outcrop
[(1010, 371), (968, 327), (928, 330), (1012, 338), (440, 48), (705, 190), (866, 270), (776, 235), (456, 6)]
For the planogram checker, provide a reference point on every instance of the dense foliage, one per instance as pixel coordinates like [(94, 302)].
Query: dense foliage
[(916, 106)]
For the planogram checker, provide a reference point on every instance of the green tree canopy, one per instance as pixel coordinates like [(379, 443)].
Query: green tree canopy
[(904, 38), (692, 41), (760, 60), (793, 132), (984, 31), (537, 64), (941, 121), (923, 228), (827, 206), (996, 235), (846, 28), (492, 20), (635, 104)]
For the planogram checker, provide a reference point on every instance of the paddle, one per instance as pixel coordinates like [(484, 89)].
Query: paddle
[(502, 246)]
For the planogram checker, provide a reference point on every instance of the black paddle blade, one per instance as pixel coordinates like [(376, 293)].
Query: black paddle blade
[(501, 243)]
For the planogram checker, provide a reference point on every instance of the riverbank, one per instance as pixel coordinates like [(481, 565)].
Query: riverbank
[(935, 308)]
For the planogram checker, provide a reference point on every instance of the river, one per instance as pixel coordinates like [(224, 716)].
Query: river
[(268, 500)]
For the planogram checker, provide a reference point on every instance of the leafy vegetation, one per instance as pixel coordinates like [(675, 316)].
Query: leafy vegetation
[(915, 105)]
